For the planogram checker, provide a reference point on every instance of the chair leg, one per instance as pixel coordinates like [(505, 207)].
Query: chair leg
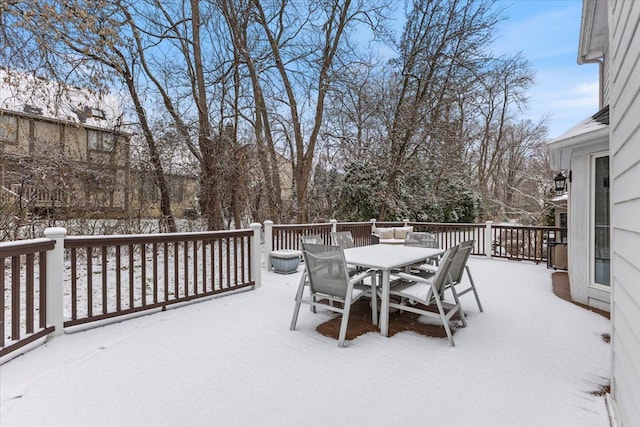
[(296, 310), (345, 317), (444, 318), (374, 299), (343, 327), (473, 286), (458, 306), (299, 294)]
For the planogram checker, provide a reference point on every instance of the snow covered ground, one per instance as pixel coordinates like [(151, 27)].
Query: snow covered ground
[(531, 359)]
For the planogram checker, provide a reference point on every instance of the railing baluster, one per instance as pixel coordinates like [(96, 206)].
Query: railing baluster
[(220, 276), (155, 272), (74, 284), (195, 267), (42, 292), (143, 274), (176, 269), (104, 280), (29, 312), (185, 253), (165, 254), (118, 279), (89, 282), (204, 265), (131, 278), (15, 297)]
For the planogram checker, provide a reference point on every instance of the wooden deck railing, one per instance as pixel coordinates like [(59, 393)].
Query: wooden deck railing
[(452, 234), (57, 282), (287, 236), (23, 308), (491, 240), (48, 284), (114, 276)]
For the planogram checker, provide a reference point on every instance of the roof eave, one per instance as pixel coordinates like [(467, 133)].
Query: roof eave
[(557, 147)]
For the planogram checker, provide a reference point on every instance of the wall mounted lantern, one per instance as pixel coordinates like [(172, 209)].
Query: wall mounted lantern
[(560, 182)]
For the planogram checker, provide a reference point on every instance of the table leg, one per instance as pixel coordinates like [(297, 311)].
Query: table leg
[(384, 304)]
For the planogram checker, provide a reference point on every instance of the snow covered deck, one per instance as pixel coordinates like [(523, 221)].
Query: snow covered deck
[(531, 359)]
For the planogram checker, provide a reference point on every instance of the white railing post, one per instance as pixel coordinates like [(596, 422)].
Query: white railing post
[(55, 279), (256, 265), (268, 241), (488, 240), (334, 225), (406, 222), (373, 224)]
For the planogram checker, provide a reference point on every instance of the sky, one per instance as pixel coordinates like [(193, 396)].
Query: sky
[(547, 33), (530, 359)]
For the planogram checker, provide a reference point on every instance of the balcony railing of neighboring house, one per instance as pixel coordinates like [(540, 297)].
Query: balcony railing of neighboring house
[(35, 196), (97, 278), (23, 311), (7, 197)]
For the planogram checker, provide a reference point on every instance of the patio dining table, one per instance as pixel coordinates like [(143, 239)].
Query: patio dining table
[(386, 258)]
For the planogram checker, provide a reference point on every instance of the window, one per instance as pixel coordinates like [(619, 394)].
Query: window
[(601, 222), (8, 128), (100, 141)]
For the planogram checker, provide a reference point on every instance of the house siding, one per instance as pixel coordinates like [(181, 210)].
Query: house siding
[(624, 88)]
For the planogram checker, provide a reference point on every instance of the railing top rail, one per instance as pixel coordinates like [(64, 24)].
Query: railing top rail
[(125, 239), (320, 224), (355, 223), (530, 227), (449, 224), (22, 247)]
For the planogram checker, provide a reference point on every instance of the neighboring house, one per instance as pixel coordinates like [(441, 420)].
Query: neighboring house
[(183, 190), (61, 148), (601, 156)]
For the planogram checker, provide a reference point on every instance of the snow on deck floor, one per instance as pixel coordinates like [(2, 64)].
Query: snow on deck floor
[(531, 359)]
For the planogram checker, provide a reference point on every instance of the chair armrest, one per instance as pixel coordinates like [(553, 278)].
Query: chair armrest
[(413, 278), (427, 267), (359, 277)]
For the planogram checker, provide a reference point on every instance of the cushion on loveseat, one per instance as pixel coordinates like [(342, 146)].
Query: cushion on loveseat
[(401, 232), (384, 232)]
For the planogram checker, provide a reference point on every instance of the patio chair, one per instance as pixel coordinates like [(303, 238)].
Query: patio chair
[(344, 239), (425, 240), (457, 270), (417, 289), (329, 281), (314, 239)]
